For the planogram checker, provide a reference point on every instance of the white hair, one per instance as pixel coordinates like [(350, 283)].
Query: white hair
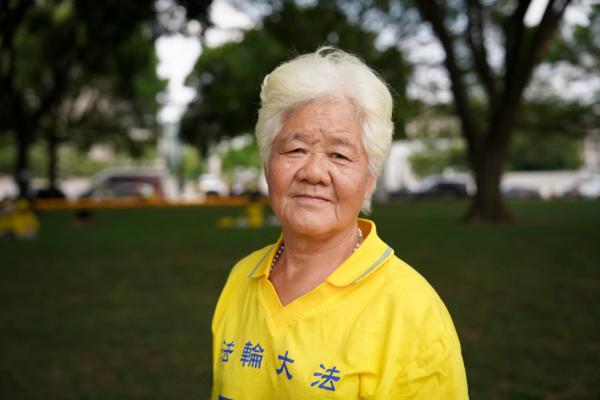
[(326, 73)]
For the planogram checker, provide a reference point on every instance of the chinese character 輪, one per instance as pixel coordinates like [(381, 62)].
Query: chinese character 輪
[(252, 355)]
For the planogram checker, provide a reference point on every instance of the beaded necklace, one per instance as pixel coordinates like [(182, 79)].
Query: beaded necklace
[(282, 247)]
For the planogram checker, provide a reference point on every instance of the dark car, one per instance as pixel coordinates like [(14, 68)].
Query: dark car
[(442, 189)]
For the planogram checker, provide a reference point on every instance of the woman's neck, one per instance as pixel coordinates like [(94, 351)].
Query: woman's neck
[(307, 261), (305, 252)]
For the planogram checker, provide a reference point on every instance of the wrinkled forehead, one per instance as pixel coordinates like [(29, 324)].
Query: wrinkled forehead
[(331, 119)]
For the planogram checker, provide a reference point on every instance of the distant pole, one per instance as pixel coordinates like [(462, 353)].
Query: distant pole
[(170, 149)]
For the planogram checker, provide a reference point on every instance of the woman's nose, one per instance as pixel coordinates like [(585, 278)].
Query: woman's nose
[(314, 170)]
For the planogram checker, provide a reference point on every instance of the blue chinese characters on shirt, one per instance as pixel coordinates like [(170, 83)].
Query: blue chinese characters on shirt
[(326, 379), (252, 357), (285, 360), (226, 351)]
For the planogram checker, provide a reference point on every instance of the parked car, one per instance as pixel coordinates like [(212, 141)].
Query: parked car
[(587, 186), (520, 192), (440, 187), (590, 188), (127, 183)]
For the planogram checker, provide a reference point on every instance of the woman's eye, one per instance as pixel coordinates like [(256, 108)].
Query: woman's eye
[(339, 156), (297, 151)]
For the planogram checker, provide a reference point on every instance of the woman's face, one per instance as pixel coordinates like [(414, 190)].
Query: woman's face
[(318, 171)]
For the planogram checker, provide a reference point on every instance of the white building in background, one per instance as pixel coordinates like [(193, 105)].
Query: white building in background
[(591, 151), (398, 175), (397, 172)]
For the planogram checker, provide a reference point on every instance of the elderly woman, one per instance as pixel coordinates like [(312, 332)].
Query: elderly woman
[(329, 311)]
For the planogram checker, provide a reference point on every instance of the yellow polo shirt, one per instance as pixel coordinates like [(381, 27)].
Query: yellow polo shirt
[(375, 329)]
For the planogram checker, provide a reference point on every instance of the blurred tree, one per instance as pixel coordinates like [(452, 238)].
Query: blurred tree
[(434, 158), (116, 104), (245, 157), (185, 17), (556, 116), (69, 66), (547, 152), (191, 163), (228, 77), (470, 32), (528, 151), (579, 45)]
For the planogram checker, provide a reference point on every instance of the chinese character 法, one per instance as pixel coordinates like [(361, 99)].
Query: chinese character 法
[(226, 350), (326, 379)]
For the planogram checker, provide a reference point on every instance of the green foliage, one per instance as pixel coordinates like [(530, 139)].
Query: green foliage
[(580, 44), (78, 71), (556, 116), (121, 96), (548, 152), (434, 159), (228, 82), (7, 154), (228, 77), (527, 152), (61, 48), (548, 136), (247, 156), (191, 163), (72, 161)]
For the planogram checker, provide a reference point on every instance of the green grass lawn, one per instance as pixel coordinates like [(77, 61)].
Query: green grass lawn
[(122, 308)]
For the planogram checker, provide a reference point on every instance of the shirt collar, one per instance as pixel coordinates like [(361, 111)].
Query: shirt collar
[(371, 254)]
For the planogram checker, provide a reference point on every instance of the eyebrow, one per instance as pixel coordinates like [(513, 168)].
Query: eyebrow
[(338, 139), (297, 136)]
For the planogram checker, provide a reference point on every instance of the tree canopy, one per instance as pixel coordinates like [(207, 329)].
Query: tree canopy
[(77, 69), (228, 77)]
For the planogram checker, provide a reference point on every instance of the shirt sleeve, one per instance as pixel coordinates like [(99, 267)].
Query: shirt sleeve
[(437, 372), (425, 359)]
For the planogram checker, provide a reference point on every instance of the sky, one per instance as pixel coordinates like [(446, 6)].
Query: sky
[(177, 55)]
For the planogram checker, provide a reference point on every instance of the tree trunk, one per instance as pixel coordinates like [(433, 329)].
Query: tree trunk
[(488, 204), (22, 172), (52, 143)]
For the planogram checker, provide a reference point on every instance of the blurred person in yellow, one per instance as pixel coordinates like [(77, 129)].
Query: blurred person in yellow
[(254, 214), (25, 224), (329, 311)]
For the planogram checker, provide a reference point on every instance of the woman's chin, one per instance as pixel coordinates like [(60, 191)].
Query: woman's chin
[(312, 223)]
